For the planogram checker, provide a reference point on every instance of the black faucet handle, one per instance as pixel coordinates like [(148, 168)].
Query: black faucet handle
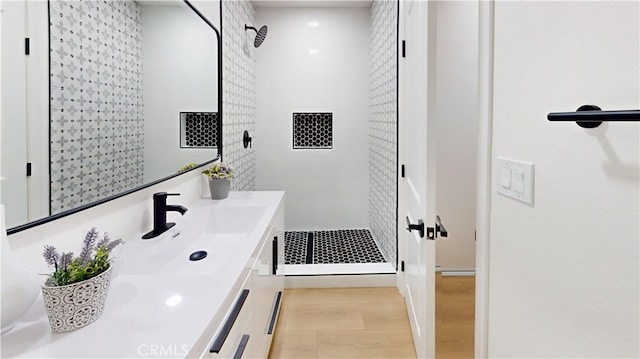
[(158, 195)]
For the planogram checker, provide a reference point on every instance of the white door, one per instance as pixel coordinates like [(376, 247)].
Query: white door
[(14, 113), (417, 147)]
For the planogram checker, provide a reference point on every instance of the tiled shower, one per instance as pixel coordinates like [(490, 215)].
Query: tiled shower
[(319, 99)]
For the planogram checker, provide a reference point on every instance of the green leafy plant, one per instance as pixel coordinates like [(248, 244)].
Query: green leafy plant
[(93, 260), (219, 170), (187, 167)]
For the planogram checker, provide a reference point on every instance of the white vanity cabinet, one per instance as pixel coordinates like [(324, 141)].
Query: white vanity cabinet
[(251, 319), (268, 285)]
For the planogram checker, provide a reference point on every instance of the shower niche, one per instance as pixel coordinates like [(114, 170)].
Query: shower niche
[(198, 129), (313, 130)]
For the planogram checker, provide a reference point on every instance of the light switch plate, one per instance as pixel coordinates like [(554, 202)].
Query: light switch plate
[(522, 179), (505, 179), (517, 178)]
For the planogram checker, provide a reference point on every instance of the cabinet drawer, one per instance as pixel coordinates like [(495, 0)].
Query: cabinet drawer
[(232, 339)]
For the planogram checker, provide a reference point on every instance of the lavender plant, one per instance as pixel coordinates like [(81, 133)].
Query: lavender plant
[(219, 170), (93, 260)]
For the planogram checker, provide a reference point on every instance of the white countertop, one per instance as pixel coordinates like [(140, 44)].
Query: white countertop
[(149, 275)]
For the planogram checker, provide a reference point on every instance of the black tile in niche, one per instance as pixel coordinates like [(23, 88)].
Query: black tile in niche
[(200, 128), (312, 130)]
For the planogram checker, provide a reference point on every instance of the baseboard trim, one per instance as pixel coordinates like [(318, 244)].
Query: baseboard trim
[(340, 281), (458, 272)]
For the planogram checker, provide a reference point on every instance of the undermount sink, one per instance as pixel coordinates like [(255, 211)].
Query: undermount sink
[(214, 229), (171, 257)]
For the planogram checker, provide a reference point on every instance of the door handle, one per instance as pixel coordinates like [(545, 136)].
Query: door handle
[(416, 227), (440, 228)]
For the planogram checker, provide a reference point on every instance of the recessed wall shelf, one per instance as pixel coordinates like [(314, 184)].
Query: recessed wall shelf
[(198, 129), (313, 130)]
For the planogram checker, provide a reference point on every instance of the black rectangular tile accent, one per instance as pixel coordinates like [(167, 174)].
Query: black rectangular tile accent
[(310, 248), (312, 130), (198, 129)]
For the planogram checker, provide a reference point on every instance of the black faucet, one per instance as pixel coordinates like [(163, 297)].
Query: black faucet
[(160, 209)]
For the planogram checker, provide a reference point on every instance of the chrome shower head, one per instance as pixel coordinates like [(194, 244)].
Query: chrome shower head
[(260, 34)]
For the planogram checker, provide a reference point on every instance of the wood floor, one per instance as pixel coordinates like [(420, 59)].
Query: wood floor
[(455, 316), (343, 323), (371, 322)]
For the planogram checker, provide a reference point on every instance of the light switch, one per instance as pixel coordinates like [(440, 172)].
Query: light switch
[(514, 179), (505, 180), (517, 178)]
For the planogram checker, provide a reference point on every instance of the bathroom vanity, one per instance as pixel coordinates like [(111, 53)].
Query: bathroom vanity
[(162, 304)]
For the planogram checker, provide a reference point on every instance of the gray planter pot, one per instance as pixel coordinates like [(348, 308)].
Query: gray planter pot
[(219, 188), (73, 306)]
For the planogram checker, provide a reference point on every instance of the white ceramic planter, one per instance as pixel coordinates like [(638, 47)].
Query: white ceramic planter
[(73, 306)]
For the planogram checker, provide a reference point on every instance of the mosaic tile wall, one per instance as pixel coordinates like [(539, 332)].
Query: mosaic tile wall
[(97, 123), (239, 96), (383, 126), (200, 128), (313, 130)]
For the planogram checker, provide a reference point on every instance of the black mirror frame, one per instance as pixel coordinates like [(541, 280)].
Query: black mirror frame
[(54, 217), (219, 36)]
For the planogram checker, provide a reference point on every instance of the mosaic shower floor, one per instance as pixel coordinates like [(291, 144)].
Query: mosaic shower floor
[(348, 251)]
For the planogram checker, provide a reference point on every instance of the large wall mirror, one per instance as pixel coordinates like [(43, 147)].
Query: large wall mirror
[(133, 96)]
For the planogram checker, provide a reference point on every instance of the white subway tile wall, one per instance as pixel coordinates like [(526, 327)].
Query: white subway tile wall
[(326, 182), (239, 94), (383, 126)]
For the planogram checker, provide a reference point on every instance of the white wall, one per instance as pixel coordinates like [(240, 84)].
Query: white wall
[(326, 189), (210, 10), (564, 273), (457, 128), (180, 75)]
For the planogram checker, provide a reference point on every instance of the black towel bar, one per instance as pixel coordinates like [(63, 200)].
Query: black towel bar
[(590, 116)]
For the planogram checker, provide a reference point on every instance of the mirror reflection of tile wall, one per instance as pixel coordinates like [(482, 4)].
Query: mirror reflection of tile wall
[(97, 122)]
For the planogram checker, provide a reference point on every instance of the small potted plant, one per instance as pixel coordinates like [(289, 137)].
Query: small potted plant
[(75, 293), (219, 176), (187, 167)]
